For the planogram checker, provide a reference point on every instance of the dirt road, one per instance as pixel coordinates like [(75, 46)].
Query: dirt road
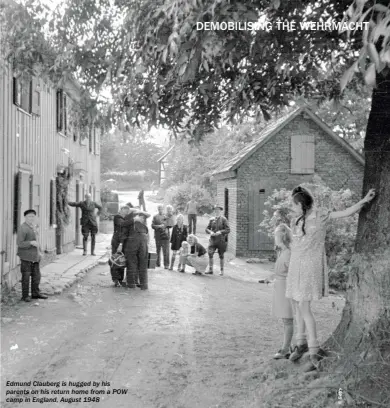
[(190, 341), (187, 342)]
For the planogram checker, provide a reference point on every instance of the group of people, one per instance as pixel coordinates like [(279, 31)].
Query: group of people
[(301, 273), (300, 269), (184, 244)]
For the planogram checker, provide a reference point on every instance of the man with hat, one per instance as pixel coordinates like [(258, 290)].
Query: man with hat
[(218, 228), (29, 253), (88, 221)]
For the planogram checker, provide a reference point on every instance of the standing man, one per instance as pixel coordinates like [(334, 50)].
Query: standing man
[(30, 255), (192, 212), (88, 221), (141, 200), (136, 248), (119, 231), (219, 229), (161, 236)]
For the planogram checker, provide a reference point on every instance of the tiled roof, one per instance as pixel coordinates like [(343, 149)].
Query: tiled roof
[(251, 147), (272, 129)]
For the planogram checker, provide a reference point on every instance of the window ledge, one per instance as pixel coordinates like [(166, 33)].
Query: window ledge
[(23, 111)]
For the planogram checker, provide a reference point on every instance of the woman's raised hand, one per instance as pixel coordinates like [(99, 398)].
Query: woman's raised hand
[(369, 196)]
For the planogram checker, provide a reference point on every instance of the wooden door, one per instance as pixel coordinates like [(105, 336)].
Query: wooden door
[(258, 240)]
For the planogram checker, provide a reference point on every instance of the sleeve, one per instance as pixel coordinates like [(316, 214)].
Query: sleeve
[(21, 240), (209, 225), (128, 221), (324, 216), (226, 229), (185, 232), (201, 250), (98, 206), (171, 240), (154, 223), (74, 204)]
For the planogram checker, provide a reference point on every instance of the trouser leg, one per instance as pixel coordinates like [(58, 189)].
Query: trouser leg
[(93, 241), (166, 253), (114, 244), (25, 269), (35, 279), (158, 250), (85, 241), (143, 261), (131, 261), (194, 223), (189, 224)]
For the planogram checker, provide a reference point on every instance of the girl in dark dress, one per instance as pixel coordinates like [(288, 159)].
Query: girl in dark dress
[(179, 234)]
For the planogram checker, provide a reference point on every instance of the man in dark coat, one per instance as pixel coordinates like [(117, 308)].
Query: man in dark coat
[(29, 253), (136, 248), (120, 231), (141, 200), (88, 221), (218, 228)]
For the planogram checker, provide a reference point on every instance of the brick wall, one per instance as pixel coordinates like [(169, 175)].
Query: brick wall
[(231, 185), (269, 168)]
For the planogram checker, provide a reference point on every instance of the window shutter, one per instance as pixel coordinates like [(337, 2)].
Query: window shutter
[(308, 153), (98, 143), (59, 110), (65, 114), (17, 200), (52, 202), (90, 139), (17, 91), (26, 96), (36, 98)]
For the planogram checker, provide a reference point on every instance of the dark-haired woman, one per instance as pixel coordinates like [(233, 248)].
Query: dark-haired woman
[(307, 279)]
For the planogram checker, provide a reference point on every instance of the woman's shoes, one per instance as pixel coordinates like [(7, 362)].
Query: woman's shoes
[(299, 351), (197, 273), (282, 354), (182, 270)]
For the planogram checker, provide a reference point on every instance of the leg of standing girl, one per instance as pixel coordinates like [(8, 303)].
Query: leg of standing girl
[(301, 346), (172, 260)]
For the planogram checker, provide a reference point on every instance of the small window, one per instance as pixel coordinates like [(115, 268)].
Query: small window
[(302, 154)]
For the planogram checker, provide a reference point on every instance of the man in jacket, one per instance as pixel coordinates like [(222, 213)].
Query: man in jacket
[(141, 200), (161, 236), (218, 228), (30, 255), (136, 248), (88, 221), (120, 230)]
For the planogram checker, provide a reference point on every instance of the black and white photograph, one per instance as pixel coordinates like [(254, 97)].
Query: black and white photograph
[(195, 203)]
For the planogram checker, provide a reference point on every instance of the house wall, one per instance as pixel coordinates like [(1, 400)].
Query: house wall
[(31, 143), (270, 168), (231, 185)]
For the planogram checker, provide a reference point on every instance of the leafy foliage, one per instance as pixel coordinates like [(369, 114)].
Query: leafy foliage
[(340, 236), (162, 69), (178, 197)]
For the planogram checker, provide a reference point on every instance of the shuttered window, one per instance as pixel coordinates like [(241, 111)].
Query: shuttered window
[(302, 154), (36, 98), (52, 202), (62, 114), (22, 93)]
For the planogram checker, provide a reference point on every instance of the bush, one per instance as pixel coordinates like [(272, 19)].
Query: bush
[(178, 197), (340, 238)]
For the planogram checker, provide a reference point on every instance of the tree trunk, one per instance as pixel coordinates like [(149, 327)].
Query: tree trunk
[(366, 316)]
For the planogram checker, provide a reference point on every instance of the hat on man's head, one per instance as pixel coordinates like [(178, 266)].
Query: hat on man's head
[(218, 206), (29, 212)]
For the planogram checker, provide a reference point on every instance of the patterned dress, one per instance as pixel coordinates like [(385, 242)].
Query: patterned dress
[(307, 277)]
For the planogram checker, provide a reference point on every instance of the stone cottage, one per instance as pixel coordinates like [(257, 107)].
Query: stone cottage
[(288, 152)]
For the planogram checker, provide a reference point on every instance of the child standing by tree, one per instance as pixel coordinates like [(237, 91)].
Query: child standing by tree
[(307, 278), (281, 306)]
